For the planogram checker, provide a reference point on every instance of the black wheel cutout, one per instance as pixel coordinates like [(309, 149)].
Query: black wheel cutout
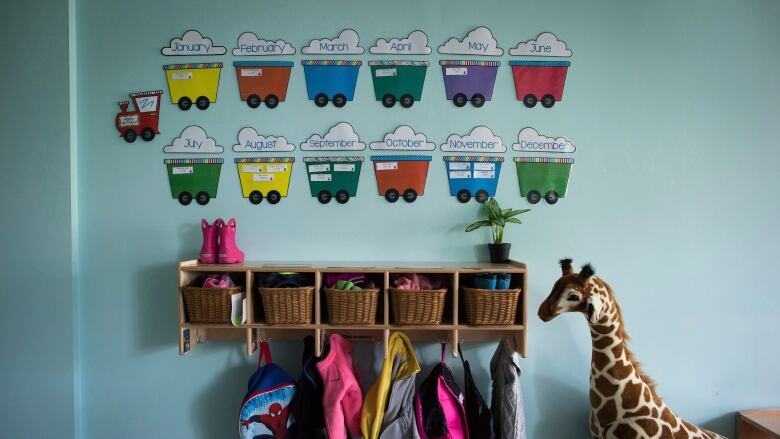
[(481, 196), (391, 195), (273, 197), (463, 196), (321, 100), (339, 100), (477, 100), (147, 134), (459, 100), (253, 101), (185, 198), (185, 103), (271, 101), (255, 197), (407, 100), (388, 100), (324, 196), (533, 197), (548, 101), (202, 198), (529, 100), (410, 195), (129, 135), (202, 103), (342, 196), (551, 197)]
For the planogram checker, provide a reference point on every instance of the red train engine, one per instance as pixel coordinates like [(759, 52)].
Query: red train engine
[(144, 120)]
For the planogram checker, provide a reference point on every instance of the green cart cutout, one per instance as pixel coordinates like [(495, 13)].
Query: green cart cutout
[(333, 177), (398, 81), (193, 176), (543, 175)]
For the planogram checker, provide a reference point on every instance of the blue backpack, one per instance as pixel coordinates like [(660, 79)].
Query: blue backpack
[(266, 405)]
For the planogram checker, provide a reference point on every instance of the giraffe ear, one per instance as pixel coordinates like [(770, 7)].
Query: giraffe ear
[(586, 271), (566, 267), (594, 306)]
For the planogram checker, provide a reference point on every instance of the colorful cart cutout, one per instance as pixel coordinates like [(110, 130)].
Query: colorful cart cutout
[(475, 175), (398, 81), (333, 176), (144, 120), (188, 83), (331, 80), (543, 175), (263, 81), (267, 177), (193, 176), (466, 80), (539, 81), (401, 174)]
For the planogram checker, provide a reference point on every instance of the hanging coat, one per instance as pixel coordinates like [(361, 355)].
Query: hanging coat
[(388, 411), (478, 413), (342, 399), (507, 403), (306, 406), (438, 406)]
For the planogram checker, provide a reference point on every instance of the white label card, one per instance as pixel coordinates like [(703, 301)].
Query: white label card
[(320, 177), (460, 166), (181, 75), (252, 72), (484, 166), (344, 167), (484, 174), (276, 168), (456, 71), (320, 168), (125, 121), (460, 174), (252, 168), (385, 72), (386, 166), (182, 170), (263, 177)]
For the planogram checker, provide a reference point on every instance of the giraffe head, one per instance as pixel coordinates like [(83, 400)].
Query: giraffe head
[(577, 292)]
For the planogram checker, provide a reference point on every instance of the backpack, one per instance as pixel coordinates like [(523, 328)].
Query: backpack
[(478, 415), (264, 411), (439, 405)]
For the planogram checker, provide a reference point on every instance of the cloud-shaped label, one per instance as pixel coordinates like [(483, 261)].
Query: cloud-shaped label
[(546, 44), (192, 43), (347, 43), (480, 140), (193, 139), (404, 139), (341, 137), (250, 141), (414, 44), (529, 140), (479, 41), (249, 44)]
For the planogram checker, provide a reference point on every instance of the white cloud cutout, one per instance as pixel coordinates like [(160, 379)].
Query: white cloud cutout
[(347, 43), (249, 44), (341, 137), (192, 43), (529, 140), (404, 139), (546, 44), (250, 141), (193, 139), (481, 139), (479, 41), (414, 44)]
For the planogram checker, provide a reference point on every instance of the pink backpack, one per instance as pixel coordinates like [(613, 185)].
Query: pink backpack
[(438, 405)]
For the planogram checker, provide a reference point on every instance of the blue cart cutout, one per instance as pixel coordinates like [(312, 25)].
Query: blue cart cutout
[(473, 175), (330, 80)]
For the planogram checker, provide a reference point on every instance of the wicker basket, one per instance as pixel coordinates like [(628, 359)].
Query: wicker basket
[(490, 307), (351, 307), (208, 305), (417, 307), (287, 306)]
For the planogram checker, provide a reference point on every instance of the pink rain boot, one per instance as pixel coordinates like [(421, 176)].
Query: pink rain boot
[(208, 251), (228, 250)]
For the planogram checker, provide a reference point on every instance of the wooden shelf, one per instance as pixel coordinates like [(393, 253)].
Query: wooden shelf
[(452, 330)]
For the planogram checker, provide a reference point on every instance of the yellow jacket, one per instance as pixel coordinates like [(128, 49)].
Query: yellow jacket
[(376, 398)]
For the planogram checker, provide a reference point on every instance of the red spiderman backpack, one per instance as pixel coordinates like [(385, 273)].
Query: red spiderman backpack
[(264, 410)]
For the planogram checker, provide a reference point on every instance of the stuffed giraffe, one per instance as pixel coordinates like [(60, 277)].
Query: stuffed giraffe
[(624, 403)]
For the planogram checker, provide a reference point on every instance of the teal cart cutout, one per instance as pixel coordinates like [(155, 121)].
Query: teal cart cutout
[(333, 177)]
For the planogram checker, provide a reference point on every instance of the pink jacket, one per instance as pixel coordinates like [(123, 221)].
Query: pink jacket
[(342, 398)]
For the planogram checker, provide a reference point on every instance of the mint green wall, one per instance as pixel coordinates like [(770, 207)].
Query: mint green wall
[(673, 106)]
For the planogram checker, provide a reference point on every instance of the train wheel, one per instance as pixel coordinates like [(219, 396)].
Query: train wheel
[(185, 198), (388, 100), (481, 196), (202, 198), (129, 135), (459, 100), (253, 101), (339, 100), (324, 196), (407, 100), (529, 100), (185, 103), (271, 101), (255, 197), (391, 195), (463, 196), (342, 196), (321, 100), (273, 197), (477, 100), (410, 195), (533, 197), (202, 102), (551, 197), (147, 134), (548, 101)]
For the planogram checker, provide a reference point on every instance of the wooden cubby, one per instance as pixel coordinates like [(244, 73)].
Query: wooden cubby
[(453, 328)]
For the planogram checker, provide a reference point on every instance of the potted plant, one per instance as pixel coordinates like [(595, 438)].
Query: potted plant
[(497, 218)]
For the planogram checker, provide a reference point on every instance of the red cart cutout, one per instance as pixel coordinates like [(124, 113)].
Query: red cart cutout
[(398, 175)]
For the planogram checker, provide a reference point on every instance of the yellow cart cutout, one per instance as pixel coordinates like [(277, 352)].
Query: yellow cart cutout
[(188, 83), (264, 177)]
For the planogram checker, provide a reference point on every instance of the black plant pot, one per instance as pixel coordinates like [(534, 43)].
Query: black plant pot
[(499, 253)]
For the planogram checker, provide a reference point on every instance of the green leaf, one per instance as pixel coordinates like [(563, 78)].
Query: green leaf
[(513, 221), (478, 225)]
